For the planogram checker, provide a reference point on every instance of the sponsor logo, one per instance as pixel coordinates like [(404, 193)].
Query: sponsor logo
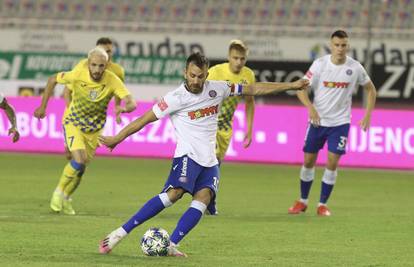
[(184, 169), (349, 72), (162, 105), (335, 84), (203, 112), (212, 93)]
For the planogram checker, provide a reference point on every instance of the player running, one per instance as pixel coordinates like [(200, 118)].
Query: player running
[(92, 88)]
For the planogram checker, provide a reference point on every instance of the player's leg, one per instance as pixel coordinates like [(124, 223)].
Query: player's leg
[(182, 178), (223, 138), (73, 168), (314, 141), (85, 155), (337, 138), (206, 189)]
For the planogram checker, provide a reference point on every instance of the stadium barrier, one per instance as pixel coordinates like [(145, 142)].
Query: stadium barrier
[(278, 135)]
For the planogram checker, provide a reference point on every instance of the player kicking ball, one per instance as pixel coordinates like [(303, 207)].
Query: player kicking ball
[(193, 109)]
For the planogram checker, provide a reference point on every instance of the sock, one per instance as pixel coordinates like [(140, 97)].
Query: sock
[(328, 181), (73, 185), (71, 170), (306, 179), (153, 206), (187, 222)]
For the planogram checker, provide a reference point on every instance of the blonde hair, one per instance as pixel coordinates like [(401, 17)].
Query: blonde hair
[(98, 51), (239, 46)]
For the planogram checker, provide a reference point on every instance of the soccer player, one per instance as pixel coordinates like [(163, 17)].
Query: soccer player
[(236, 72), (11, 116), (106, 44), (333, 78), (193, 109), (92, 88)]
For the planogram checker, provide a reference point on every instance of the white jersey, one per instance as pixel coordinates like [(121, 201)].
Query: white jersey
[(333, 86), (194, 117), (1, 98)]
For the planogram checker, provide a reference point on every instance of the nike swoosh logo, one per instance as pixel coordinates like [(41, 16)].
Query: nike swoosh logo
[(175, 167)]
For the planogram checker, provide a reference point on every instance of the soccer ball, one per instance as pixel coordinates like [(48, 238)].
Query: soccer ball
[(155, 242)]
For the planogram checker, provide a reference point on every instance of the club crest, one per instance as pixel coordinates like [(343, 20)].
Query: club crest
[(93, 94)]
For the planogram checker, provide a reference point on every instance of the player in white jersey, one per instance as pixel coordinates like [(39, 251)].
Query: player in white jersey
[(11, 116), (333, 78), (193, 109)]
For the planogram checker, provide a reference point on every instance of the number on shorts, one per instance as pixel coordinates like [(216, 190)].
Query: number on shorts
[(342, 142), (71, 141)]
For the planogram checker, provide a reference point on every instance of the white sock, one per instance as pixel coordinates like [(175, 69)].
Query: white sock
[(304, 201), (120, 232)]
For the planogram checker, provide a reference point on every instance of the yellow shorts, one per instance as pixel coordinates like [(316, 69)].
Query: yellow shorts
[(75, 139), (223, 141)]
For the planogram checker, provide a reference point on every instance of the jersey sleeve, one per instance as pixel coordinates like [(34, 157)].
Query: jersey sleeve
[(122, 74), (67, 77), (169, 104), (230, 89), (363, 77), (313, 71), (120, 89)]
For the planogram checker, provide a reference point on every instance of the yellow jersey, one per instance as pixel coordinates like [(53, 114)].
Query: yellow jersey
[(221, 72), (90, 99)]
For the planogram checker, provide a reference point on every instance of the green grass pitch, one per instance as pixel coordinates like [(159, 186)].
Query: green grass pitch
[(372, 222)]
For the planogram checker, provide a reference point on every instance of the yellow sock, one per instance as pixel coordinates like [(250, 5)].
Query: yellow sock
[(67, 175), (70, 172), (71, 187)]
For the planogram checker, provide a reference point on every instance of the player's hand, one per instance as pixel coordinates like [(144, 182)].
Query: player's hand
[(365, 122), (109, 141), (13, 131), (118, 111), (247, 140), (40, 113), (314, 117), (300, 84)]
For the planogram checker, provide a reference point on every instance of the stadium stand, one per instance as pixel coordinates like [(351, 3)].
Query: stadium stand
[(391, 18)]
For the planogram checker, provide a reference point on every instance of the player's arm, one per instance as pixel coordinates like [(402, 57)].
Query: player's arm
[(40, 112), (266, 88), (249, 109), (371, 98), (129, 106), (303, 96), (112, 141), (67, 96), (11, 115)]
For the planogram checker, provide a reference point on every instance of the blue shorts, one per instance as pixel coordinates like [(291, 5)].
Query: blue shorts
[(317, 136), (191, 176)]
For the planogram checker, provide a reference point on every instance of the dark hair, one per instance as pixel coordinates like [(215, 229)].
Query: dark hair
[(104, 41), (340, 34), (197, 59)]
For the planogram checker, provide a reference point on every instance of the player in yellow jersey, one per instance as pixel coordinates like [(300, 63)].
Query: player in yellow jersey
[(92, 89), (106, 44), (235, 72)]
